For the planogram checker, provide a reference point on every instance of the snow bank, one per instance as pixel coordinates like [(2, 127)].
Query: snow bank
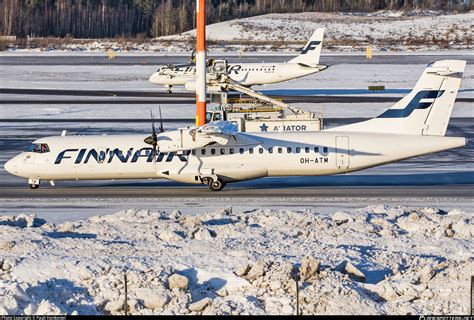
[(344, 32), (373, 260)]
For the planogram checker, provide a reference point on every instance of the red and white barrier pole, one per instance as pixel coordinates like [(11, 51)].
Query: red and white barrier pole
[(200, 62)]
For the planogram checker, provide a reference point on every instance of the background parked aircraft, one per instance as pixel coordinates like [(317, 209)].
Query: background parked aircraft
[(249, 74)]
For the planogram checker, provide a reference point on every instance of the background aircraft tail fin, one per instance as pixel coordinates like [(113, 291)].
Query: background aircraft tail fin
[(426, 109), (312, 50)]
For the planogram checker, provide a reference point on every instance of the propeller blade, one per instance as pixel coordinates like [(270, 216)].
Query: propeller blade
[(153, 139), (155, 151), (161, 121), (153, 124)]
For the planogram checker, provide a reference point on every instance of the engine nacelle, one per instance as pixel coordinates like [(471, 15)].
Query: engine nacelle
[(181, 139)]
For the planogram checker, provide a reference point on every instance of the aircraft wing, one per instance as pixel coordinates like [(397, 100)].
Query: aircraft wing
[(218, 131), (219, 127), (193, 138)]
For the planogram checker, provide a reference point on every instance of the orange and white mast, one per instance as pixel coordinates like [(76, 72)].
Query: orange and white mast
[(200, 62)]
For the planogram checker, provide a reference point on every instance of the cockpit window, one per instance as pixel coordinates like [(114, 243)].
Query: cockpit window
[(38, 148)]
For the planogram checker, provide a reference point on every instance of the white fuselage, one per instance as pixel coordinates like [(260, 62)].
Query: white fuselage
[(248, 156), (246, 74)]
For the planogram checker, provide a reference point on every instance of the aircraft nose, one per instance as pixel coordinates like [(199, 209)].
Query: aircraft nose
[(154, 78), (10, 166)]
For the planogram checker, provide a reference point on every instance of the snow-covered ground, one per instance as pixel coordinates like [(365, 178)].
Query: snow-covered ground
[(344, 32), (384, 31), (371, 260)]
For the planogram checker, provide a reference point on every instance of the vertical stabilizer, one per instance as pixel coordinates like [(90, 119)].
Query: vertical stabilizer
[(312, 50), (426, 109)]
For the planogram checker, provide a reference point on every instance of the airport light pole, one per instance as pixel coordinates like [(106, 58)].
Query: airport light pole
[(200, 62)]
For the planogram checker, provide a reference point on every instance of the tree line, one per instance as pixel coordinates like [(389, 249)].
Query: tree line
[(152, 18)]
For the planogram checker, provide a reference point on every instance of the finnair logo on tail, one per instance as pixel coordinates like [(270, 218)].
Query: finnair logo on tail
[(422, 100), (311, 46)]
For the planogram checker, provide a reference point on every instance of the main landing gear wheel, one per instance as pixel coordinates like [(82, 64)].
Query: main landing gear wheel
[(34, 186), (216, 185)]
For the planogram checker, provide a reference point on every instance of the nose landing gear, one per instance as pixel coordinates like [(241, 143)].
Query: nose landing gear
[(34, 183)]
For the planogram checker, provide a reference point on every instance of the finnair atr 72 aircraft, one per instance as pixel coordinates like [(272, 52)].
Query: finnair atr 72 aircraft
[(249, 74), (216, 153)]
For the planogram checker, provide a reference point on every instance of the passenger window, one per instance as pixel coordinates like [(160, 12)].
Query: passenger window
[(251, 150), (193, 152), (231, 150), (270, 150), (316, 149), (298, 149), (325, 149), (203, 151), (222, 151), (213, 151), (260, 150), (241, 150), (288, 150), (280, 150), (306, 149)]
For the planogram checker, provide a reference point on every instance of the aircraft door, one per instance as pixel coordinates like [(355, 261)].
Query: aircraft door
[(342, 152)]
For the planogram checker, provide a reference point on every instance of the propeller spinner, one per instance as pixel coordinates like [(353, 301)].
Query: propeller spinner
[(153, 139)]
